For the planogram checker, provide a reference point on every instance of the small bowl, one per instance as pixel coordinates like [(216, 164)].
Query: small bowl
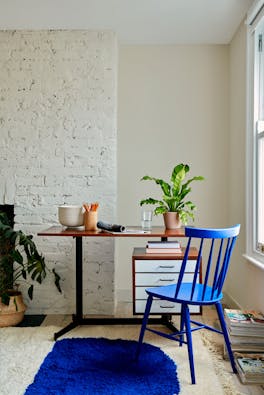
[(71, 216)]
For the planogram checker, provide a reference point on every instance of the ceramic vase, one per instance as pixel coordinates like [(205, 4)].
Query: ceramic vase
[(172, 220)]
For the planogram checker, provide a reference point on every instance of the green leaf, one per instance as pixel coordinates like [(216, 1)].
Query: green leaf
[(190, 205), (4, 220), (15, 303), (9, 233), (178, 169), (197, 178), (17, 257), (30, 291), (178, 178), (57, 280), (160, 210), (164, 185), (146, 178), (150, 201), (36, 275)]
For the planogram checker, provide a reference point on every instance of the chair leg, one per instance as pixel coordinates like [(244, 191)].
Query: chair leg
[(225, 333), (181, 327), (144, 324), (186, 316)]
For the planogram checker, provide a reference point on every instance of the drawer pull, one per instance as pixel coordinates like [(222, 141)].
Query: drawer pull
[(167, 279), (166, 267), (167, 307)]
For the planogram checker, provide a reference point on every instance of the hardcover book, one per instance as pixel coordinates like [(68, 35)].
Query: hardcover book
[(163, 244), (163, 250)]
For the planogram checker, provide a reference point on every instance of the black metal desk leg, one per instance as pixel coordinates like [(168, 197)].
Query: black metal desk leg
[(76, 318), (79, 280)]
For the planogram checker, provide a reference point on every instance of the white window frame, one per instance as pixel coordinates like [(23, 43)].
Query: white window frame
[(255, 14)]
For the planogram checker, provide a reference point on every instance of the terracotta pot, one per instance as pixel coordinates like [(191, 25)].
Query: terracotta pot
[(12, 314), (172, 220)]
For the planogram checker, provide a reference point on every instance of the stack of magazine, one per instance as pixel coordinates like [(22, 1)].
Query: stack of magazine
[(246, 334), (163, 247), (250, 368)]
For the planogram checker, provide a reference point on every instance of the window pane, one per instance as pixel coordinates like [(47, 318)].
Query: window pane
[(259, 111), (260, 206), (261, 76), (255, 137)]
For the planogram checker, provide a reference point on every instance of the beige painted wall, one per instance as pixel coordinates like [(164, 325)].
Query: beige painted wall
[(173, 106), (245, 282)]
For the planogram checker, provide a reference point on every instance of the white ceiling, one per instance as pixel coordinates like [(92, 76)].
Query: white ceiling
[(135, 21)]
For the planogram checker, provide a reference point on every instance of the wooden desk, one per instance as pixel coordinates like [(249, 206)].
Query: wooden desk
[(156, 231), (77, 318)]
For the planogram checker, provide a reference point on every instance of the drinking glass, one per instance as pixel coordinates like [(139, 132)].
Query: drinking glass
[(146, 219)]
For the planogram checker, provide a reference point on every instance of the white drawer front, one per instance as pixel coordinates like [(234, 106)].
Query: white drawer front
[(162, 265), (163, 307), (140, 293), (155, 279)]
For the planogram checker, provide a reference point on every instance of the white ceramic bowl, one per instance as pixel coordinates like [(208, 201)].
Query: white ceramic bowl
[(70, 215)]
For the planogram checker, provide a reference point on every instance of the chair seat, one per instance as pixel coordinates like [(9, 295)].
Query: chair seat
[(167, 292)]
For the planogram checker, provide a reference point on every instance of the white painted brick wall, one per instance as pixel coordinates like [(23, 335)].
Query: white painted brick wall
[(58, 145)]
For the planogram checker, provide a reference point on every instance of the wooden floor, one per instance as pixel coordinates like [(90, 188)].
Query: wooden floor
[(209, 317)]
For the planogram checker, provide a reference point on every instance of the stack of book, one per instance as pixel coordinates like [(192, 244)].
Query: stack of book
[(163, 247), (250, 368), (246, 334)]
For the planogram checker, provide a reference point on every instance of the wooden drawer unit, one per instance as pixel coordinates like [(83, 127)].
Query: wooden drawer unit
[(155, 270)]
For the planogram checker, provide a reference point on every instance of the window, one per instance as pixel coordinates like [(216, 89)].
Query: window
[(259, 111), (255, 136)]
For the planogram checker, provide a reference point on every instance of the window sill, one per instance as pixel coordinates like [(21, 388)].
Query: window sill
[(256, 262)]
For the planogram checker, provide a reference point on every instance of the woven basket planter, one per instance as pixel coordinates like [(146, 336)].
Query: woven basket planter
[(12, 314)]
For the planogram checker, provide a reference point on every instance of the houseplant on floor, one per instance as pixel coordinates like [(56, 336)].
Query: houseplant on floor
[(19, 261), (174, 205)]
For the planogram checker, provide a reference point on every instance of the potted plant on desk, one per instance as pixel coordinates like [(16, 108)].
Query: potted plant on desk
[(19, 260), (174, 206)]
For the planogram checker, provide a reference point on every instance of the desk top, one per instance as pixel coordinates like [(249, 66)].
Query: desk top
[(156, 231)]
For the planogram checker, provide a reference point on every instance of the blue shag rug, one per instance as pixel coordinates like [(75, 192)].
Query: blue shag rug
[(89, 366)]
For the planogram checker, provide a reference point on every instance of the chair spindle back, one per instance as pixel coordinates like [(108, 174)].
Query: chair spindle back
[(215, 247)]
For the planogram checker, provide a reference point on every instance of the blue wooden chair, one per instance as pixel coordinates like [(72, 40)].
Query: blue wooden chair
[(215, 247)]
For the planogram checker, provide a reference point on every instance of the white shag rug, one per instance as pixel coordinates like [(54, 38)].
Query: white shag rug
[(22, 351)]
